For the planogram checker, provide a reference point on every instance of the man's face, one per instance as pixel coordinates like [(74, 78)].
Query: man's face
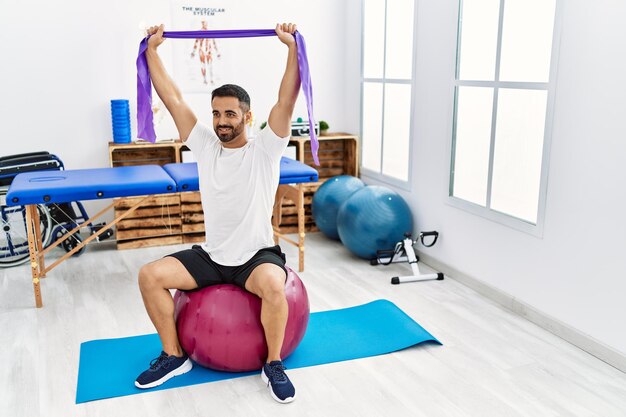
[(229, 121)]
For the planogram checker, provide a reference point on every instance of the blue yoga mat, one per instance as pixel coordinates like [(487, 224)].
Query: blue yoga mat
[(108, 367)]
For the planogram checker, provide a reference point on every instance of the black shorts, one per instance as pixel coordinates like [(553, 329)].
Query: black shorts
[(208, 272)]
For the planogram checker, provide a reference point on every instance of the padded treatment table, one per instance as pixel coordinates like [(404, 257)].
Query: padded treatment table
[(291, 172), (30, 189), (88, 184), (293, 176), (295, 172), (41, 187)]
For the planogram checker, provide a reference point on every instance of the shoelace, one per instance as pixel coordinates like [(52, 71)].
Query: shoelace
[(277, 373), (156, 363)]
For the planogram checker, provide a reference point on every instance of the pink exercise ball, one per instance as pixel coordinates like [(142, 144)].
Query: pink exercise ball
[(220, 326)]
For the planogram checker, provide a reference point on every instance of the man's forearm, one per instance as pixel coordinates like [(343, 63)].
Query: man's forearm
[(163, 83), (290, 84), (280, 116)]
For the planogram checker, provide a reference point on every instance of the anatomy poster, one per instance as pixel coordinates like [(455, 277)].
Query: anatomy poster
[(200, 64)]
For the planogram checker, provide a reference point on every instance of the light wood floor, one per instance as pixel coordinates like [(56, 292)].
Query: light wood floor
[(493, 363)]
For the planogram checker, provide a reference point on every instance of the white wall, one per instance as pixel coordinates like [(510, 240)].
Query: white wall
[(576, 272), (61, 62)]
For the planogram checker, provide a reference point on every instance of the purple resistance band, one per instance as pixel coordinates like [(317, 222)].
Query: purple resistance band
[(145, 127)]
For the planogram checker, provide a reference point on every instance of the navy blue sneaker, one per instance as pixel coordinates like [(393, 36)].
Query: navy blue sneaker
[(281, 388), (163, 368)]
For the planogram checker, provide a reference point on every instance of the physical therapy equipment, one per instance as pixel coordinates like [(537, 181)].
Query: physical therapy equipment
[(31, 189), (55, 219), (373, 218), (145, 125), (327, 200), (371, 329), (404, 252), (222, 337)]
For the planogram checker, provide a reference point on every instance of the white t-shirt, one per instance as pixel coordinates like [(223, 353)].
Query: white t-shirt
[(238, 187)]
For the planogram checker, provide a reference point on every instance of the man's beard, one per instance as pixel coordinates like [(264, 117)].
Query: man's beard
[(232, 133)]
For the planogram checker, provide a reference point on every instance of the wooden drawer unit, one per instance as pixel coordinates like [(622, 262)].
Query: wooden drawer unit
[(289, 218), (192, 217), (144, 154), (156, 222), (338, 155)]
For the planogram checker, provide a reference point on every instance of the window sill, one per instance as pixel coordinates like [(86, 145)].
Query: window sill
[(498, 217)]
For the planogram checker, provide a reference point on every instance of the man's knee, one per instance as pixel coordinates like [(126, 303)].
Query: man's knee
[(150, 277), (166, 273), (270, 286)]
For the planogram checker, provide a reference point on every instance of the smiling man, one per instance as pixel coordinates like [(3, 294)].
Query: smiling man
[(238, 181)]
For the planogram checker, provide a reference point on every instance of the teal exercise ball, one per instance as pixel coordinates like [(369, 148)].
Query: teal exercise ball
[(373, 218), (327, 200)]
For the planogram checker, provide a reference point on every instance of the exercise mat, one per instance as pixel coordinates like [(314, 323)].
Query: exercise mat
[(108, 367)]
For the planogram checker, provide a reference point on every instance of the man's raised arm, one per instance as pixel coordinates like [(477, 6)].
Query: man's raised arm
[(165, 87), (280, 116)]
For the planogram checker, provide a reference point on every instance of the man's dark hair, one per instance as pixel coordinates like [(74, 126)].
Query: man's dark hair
[(232, 90)]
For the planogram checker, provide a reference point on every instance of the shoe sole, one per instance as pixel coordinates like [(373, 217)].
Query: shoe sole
[(182, 369), (266, 381)]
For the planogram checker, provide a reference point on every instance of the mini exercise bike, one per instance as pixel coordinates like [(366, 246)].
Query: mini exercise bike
[(404, 252)]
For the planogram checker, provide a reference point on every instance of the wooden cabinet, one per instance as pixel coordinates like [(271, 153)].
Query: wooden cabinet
[(160, 219), (338, 155), (156, 222), (192, 217), (145, 153)]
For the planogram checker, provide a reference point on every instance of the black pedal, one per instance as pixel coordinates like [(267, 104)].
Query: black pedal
[(105, 235)]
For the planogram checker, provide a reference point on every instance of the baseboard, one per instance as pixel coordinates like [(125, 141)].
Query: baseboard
[(577, 338)]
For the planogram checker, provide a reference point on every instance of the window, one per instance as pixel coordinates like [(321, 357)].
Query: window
[(503, 108), (386, 85)]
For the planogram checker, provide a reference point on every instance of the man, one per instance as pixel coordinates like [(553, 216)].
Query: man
[(238, 181)]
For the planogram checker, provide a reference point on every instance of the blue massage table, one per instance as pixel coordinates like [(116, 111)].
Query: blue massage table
[(291, 172), (42, 187)]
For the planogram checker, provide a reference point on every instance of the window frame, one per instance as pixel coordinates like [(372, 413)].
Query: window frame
[(535, 229), (367, 172)]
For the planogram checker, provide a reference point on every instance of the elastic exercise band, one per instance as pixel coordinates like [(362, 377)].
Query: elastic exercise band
[(145, 127)]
